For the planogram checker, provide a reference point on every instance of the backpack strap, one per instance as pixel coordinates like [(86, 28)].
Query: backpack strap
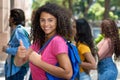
[(72, 46), (45, 45)]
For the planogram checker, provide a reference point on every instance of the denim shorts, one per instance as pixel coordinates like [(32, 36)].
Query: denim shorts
[(84, 76), (107, 69)]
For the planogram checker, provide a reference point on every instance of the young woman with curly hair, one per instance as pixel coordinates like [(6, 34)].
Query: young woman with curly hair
[(110, 45), (84, 42), (50, 20)]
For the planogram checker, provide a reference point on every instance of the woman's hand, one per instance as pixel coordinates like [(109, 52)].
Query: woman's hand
[(21, 56), (22, 52)]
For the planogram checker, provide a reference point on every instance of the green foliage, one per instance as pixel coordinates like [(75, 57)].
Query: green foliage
[(38, 3), (90, 9), (96, 11), (113, 16)]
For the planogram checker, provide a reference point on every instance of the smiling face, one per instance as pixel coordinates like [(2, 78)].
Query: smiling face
[(48, 23)]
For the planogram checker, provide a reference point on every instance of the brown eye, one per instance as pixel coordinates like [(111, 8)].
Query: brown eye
[(42, 20)]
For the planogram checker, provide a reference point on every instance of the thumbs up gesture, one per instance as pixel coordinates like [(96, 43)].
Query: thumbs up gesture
[(21, 53), (20, 57)]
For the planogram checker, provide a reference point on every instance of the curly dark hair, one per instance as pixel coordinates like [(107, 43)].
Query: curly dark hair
[(110, 30), (63, 22), (84, 35), (18, 16)]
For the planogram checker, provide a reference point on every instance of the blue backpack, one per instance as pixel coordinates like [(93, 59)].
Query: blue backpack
[(74, 58)]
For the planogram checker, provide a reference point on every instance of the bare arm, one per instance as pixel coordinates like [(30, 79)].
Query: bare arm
[(22, 55), (103, 48), (63, 71), (89, 63)]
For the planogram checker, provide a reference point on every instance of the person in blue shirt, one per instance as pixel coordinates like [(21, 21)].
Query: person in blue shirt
[(17, 23)]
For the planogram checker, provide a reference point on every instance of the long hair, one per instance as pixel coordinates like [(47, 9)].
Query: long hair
[(63, 22), (110, 30), (18, 16), (84, 35)]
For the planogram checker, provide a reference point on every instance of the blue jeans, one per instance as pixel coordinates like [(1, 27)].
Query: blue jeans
[(19, 75), (84, 76), (107, 69)]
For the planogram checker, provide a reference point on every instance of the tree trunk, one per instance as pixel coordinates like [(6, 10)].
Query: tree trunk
[(70, 5), (107, 9), (89, 2)]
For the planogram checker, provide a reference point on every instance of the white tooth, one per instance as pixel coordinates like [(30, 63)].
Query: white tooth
[(46, 28)]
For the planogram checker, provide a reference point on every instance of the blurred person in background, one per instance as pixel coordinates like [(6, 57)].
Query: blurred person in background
[(108, 46), (16, 23), (85, 45)]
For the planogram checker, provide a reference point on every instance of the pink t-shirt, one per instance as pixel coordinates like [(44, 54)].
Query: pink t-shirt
[(56, 46), (105, 48)]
